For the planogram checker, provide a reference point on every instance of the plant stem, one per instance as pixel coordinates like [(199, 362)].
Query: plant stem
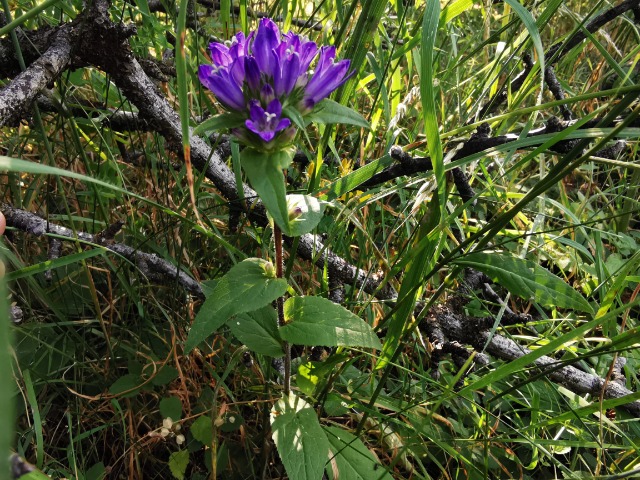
[(277, 237)]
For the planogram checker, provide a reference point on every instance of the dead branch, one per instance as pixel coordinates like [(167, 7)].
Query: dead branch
[(16, 97), (151, 266)]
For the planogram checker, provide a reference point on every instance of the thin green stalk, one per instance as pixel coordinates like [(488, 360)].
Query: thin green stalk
[(6, 378), (9, 27), (628, 206)]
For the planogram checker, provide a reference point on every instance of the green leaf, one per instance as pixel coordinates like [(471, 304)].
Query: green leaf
[(354, 179), (171, 407), (202, 430), (7, 397), (306, 379), (181, 74), (420, 259), (352, 460), (166, 375), (527, 280), (335, 406), (318, 321), (32, 473), (97, 472), (310, 211), (26, 16), (178, 462), (231, 422), (55, 263), (266, 177), (219, 122), (258, 330), (330, 111), (428, 95), (129, 383), (299, 438), (246, 287), (530, 24)]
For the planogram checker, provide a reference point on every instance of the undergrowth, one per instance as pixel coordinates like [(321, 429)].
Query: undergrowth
[(97, 359)]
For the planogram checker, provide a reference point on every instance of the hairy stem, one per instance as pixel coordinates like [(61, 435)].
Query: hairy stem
[(277, 237)]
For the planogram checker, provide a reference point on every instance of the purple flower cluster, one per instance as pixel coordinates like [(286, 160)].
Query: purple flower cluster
[(262, 75)]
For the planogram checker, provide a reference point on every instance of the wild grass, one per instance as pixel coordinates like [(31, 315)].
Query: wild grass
[(97, 360)]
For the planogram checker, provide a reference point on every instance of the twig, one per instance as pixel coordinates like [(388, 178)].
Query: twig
[(150, 265), (558, 50), (556, 89), (18, 95)]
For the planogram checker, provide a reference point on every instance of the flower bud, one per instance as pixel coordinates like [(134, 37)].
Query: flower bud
[(294, 213)]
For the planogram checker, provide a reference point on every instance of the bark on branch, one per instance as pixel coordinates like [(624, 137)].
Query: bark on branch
[(458, 328), (18, 95), (152, 266), (556, 52)]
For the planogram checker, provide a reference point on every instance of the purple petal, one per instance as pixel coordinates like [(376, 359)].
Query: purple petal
[(238, 46), (282, 124), (290, 73), (326, 80), (275, 107), (266, 124), (219, 54), (327, 54), (307, 52), (276, 70), (252, 73), (258, 129), (237, 71), (256, 112), (267, 38), (223, 86)]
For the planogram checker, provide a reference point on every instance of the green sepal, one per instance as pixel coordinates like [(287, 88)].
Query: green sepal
[(220, 122)]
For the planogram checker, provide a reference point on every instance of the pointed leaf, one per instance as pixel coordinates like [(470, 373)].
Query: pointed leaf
[(258, 330), (318, 321), (248, 286), (352, 460), (301, 442), (178, 462), (527, 280), (202, 430), (266, 177), (330, 111), (171, 407)]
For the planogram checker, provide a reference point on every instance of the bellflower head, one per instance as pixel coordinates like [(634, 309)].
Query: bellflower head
[(267, 76)]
